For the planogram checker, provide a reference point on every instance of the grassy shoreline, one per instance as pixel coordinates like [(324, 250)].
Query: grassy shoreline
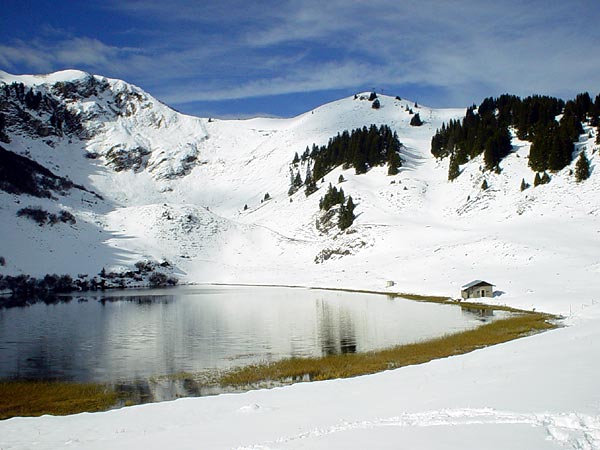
[(349, 365), (23, 398), (36, 398)]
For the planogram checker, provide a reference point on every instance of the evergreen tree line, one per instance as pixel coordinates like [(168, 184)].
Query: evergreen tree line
[(361, 148), (485, 129)]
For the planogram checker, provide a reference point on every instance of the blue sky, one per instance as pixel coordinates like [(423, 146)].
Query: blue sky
[(234, 58)]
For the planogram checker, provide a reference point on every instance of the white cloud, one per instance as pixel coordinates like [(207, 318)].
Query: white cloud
[(20, 54), (320, 78), (198, 51), (70, 52)]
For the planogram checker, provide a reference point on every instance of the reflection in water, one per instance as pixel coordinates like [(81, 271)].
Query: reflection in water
[(133, 339), (7, 302), (347, 345), (347, 332), (336, 328), (139, 299), (478, 312), (326, 329), (39, 366)]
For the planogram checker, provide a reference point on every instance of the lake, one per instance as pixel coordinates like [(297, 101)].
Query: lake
[(133, 338)]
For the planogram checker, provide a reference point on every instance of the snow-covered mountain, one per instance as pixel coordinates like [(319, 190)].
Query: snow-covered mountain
[(153, 184)]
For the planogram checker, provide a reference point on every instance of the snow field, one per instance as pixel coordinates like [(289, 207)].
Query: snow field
[(430, 236)]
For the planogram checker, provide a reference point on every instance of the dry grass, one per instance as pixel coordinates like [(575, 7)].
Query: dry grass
[(424, 298), (24, 398), (349, 365), (461, 303)]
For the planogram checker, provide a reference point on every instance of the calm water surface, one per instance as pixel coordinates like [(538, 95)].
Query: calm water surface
[(121, 337)]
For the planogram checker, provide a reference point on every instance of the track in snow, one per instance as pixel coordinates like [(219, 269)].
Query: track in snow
[(569, 430)]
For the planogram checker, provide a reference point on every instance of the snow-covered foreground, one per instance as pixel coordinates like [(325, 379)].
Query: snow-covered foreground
[(535, 393), (182, 199)]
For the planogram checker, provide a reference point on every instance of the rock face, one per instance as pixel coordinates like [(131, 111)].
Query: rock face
[(120, 158), (36, 113), (125, 127)]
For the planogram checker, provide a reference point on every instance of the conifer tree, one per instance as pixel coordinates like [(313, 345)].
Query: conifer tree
[(341, 178), (454, 168), (416, 121), (306, 154), (582, 168), (545, 178), (309, 185), (360, 161), (537, 180), (346, 217), (524, 185), (394, 163), (331, 197), (484, 185)]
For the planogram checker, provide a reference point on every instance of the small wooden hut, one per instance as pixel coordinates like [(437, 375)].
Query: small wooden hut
[(477, 289)]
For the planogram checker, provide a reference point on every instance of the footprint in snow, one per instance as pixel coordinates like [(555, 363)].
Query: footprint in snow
[(251, 408)]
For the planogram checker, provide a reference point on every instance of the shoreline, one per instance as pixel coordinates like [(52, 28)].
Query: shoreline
[(521, 323)]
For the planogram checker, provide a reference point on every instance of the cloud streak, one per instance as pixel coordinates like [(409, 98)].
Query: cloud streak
[(197, 52), (72, 52)]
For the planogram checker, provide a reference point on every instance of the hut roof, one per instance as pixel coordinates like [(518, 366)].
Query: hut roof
[(476, 283)]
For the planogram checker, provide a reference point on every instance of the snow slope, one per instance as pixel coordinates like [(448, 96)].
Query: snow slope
[(215, 167), (174, 187)]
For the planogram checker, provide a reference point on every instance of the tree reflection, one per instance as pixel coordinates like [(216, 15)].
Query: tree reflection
[(139, 299), (336, 329), (23, 302)]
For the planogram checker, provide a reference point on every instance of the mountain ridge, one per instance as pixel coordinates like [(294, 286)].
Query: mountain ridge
[(175, 188)]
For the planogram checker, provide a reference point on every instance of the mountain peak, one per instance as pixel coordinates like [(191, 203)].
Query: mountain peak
[(50, 78)]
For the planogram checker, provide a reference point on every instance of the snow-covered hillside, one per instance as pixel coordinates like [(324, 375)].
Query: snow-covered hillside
[(175, 187), (155, 184)]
